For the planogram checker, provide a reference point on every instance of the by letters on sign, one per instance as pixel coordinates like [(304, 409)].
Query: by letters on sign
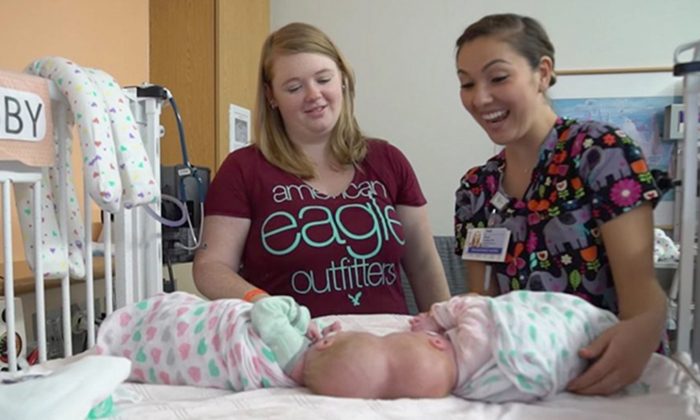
[(22, 115)]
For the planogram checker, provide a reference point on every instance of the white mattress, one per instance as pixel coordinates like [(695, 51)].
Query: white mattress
[(667, 390)]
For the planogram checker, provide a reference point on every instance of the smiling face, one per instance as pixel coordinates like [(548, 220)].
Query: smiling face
[(502, 91), (307, 90)]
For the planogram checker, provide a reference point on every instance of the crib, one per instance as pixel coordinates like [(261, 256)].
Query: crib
[(669, 387), (127, 277)]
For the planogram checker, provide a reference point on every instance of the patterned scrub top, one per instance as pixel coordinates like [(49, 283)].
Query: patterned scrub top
[(587, 174)]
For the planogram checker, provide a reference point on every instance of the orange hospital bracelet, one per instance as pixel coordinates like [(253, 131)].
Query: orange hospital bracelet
[(252, 293)]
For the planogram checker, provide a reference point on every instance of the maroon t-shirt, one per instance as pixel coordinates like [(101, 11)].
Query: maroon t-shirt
[(335, 255)]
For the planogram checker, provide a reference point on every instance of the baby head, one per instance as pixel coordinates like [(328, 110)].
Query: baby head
[(363, 365)]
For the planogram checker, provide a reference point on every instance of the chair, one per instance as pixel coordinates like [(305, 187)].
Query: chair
[(454, 270)]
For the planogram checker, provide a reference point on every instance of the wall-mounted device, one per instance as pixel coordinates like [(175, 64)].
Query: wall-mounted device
[(179, 242), (674, 122)]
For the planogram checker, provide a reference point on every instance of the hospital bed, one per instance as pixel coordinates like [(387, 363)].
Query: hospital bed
[(668, 389)]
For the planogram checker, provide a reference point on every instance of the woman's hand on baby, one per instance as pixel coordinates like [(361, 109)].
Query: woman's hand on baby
[(619, 357), (424, 322), (314, 333)]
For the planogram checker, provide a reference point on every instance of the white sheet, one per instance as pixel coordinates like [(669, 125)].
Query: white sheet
[(666, 391), (69, 392)]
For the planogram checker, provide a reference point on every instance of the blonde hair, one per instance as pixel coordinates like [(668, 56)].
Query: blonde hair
[(347, 144)]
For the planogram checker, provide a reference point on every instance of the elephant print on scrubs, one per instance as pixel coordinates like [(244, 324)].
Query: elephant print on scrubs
[(588, 173), (568, 228), (600, 164), (598, 285), (546, 281), (517, 225), (467, 207)]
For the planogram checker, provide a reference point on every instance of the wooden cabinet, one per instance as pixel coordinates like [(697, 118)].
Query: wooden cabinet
[(206, 53)]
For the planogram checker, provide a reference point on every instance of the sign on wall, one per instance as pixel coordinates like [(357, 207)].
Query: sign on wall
[(26, 128), (22, 115)]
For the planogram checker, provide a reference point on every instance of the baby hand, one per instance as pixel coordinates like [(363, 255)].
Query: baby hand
[(314, 334), (424, 322)]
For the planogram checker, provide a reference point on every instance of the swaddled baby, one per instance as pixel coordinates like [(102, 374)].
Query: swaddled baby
[(521, 346)]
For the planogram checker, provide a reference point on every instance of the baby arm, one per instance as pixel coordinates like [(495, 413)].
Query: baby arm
[(445, 315), (449, 314), (283, 325), (424, 321), (314, 334)]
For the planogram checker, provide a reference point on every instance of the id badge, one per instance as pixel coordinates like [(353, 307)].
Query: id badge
[(486, 244)]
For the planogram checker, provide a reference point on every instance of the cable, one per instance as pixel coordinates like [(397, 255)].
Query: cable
[(197, 241), (188, 170), (184, 214), (181, 131), (169, 265)]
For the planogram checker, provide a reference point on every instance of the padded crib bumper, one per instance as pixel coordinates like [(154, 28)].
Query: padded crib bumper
[(115, 163), (113, 153), (137, 179), (104, 183)]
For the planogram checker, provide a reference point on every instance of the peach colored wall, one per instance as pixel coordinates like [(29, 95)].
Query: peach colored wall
[(106, 34), (111, 35)]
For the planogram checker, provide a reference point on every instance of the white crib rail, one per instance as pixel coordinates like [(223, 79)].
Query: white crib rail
[(138, 270), (15, 172), (62, 110), (137, 249)]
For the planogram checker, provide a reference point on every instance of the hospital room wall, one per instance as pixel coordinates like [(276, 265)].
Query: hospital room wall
[(402, 52), (105, 34)]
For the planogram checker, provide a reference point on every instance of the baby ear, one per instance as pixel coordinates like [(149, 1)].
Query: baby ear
[(439, 342), (324, 343)]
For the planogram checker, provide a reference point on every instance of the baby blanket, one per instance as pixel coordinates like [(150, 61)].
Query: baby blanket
[(69, 392)]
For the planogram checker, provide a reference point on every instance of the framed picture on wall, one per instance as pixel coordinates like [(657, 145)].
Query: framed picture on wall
[(239, 127)]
